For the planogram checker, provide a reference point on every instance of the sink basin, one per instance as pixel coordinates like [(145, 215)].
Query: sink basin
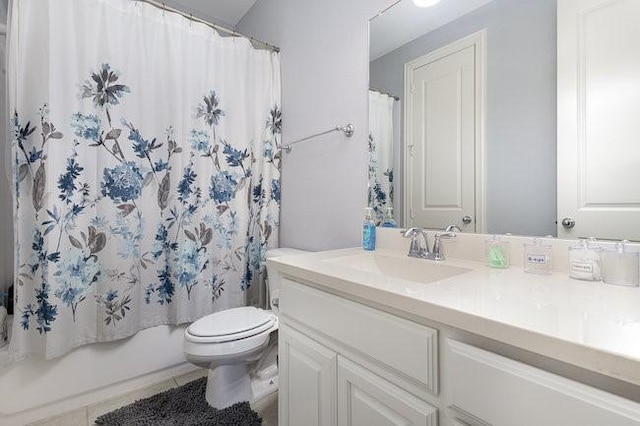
[(406, 268)]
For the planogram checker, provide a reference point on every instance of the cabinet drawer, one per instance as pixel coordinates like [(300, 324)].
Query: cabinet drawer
[(408, 348), (503, 392)]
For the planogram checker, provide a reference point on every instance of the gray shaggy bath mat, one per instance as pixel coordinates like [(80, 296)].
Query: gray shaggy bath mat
[(182, 406)]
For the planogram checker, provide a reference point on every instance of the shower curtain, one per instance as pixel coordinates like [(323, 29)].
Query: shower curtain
[(146, 170), (380, 191)]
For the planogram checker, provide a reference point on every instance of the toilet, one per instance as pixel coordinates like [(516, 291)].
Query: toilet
[(229, 342)]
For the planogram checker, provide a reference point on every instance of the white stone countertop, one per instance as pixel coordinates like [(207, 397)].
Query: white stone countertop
[(591, 325)]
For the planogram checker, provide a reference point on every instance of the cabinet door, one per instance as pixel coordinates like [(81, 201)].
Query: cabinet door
[(307, 381), (365, 399)]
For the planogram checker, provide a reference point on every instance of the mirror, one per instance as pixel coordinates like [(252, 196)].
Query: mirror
[(465, 115), (519, 177)]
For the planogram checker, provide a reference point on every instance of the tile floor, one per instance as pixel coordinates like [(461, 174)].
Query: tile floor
[(267, 407)]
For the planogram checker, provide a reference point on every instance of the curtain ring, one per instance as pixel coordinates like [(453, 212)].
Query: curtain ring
[(164, 9), (191, 20)]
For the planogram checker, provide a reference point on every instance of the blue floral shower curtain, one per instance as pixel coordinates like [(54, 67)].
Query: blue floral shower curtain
[(146, 171)]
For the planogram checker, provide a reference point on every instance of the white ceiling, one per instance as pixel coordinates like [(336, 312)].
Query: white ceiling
[(224, 12), (405, 22)]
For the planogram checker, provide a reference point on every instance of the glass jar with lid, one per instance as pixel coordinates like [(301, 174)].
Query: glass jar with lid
[(585, 260)]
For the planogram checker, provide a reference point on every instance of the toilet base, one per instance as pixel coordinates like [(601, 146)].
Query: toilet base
[(228, 384), (264, 382)]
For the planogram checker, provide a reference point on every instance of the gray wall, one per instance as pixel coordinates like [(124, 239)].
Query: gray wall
[(324, 82), (521, 107)]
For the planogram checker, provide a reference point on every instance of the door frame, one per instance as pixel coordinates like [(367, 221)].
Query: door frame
[(479, 41)]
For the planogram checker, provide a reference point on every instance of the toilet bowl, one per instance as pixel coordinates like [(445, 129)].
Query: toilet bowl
[(229, 342)]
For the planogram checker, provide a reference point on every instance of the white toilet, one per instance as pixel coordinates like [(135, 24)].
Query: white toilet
[(227, 342)]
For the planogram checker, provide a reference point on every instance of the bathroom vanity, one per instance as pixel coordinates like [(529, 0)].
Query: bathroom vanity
[(377, 338)]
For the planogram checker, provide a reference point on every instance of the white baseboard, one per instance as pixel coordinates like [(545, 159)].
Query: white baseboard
[(69, 411)]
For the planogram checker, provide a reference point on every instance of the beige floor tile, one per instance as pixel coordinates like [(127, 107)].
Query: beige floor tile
[(72, 418), (189, 377), (96, 410), (267, 408)]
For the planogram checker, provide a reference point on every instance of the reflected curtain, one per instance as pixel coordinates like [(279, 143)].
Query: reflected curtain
[(146, 170), (380, 176)]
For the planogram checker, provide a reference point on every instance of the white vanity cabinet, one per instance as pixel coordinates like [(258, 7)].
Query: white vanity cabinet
[(343, 363), (349, 364)]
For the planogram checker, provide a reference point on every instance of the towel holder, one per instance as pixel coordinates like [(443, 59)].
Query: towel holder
[(348, 130)]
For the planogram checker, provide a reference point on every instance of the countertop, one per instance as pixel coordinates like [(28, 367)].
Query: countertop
[(591, 325)]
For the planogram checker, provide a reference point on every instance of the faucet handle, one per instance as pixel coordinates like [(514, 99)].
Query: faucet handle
[(411, 232), (445, 235), (435, 253)]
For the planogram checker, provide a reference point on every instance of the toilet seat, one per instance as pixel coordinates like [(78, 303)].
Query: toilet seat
[(230, 325)]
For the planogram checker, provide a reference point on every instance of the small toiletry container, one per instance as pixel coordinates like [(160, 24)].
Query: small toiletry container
[(585, 259), (497, 252), (537, 257), (369, 231), (621, 266)]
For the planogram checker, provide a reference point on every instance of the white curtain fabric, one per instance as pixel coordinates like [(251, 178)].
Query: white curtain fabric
[(146, 170), (380, 153)]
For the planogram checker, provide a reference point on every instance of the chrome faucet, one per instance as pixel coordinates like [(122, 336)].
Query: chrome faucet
[(419, 246), (453, 228)]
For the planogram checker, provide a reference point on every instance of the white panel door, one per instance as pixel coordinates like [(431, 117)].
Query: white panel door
[(599, 118), (441, 139), (307, 381), (365, 399)]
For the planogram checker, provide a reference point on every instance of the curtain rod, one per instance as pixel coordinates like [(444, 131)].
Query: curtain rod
[(395, 98), (216, 27)]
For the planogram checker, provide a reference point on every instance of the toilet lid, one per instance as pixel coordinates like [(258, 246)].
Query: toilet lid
[(230, 322)]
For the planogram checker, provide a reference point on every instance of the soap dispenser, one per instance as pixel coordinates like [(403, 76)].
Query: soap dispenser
[(389, 221), (369, 231)]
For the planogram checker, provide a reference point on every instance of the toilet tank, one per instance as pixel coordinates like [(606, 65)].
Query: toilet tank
[(273, 279)]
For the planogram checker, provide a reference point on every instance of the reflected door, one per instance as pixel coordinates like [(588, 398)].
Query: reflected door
[(441, 136), (599, 119)]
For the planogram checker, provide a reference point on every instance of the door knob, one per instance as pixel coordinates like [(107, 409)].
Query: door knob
[(568, 223), (467, 220)]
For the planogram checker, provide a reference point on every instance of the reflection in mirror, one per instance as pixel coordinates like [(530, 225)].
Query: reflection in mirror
[(515, 116), (475, 134), (382, 112)]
